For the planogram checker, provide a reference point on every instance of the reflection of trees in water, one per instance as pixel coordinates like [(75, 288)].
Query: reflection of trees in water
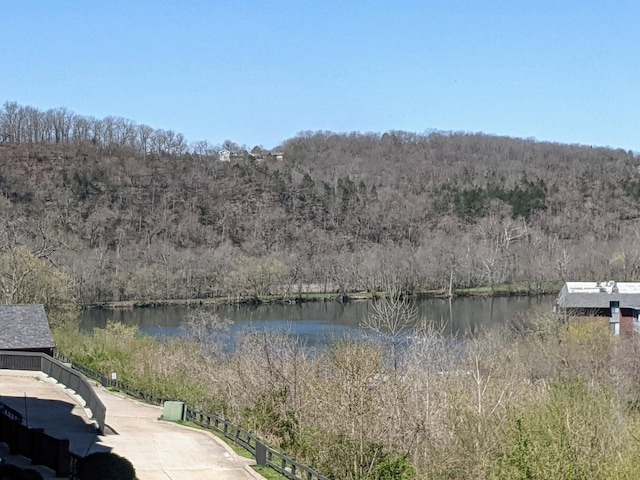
[(458, 316)]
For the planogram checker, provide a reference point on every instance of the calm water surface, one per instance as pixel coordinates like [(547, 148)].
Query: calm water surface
[(320, 322)]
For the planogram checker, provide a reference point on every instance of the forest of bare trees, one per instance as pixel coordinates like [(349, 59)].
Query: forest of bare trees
[(136, 213)]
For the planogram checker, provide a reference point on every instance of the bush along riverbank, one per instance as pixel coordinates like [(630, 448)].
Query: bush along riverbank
[(551, 400), (503, 290)]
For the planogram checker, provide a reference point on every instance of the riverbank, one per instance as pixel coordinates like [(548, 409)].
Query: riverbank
[(502, 290), (506, 404)]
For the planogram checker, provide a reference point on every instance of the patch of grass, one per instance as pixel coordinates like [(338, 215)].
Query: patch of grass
[(509, 289), (160, 303), (238, 449), (267, 472), (316, 296)]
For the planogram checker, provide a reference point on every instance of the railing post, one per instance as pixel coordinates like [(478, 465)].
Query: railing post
[(63, 458), (261, 453), (35, 445)]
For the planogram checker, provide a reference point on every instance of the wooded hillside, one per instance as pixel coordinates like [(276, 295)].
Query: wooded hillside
[(136, 213)]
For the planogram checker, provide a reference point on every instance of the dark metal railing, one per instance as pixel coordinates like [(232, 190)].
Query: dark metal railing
[(222, 426), (35, 444), (35, 361), (263, 453), (73, 465), (11, 413), (107, 382)]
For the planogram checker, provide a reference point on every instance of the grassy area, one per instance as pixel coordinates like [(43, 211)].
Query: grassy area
[(269, 473), (509, 289)]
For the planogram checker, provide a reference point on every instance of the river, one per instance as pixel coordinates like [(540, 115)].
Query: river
[(318, 323)]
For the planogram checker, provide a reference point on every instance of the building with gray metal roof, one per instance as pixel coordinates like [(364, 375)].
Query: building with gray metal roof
[(619, 301), (598, 294)]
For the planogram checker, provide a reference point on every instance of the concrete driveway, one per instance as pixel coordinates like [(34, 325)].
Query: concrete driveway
[(157, 449)]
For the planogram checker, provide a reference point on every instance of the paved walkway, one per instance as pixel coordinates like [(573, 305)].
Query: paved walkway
[(158, 450)]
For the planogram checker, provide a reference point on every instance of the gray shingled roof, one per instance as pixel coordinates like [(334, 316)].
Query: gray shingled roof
[(24, 327), (569, 299)]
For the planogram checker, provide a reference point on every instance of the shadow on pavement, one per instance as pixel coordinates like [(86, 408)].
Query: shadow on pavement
[(58, 420)]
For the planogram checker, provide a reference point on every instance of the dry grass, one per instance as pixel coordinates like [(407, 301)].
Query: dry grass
[(549, 401)]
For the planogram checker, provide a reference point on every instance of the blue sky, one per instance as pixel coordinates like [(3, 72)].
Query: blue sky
[(259, 72)]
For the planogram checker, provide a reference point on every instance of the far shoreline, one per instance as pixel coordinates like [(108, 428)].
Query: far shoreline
[(506, 290)]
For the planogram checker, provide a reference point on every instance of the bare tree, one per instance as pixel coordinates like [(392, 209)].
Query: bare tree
[(205, 328), (393, 318)]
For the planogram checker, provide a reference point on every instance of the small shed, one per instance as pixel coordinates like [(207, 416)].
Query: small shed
[(25, 328), (619, 302)]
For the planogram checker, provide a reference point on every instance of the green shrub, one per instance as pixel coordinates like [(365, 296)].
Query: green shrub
[(393, 467), (573, 435)]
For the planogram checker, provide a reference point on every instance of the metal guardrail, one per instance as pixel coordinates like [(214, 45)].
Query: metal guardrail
[(36, 445), (11, 413), (289, 467), (36, 361), (264, 454), (106, 382), (51, 451), (73, 465), (231, 431)]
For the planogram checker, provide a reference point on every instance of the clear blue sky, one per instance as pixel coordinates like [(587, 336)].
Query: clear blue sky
[(259, 72)]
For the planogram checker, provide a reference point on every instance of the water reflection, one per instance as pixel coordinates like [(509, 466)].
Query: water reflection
[(319, 322)]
